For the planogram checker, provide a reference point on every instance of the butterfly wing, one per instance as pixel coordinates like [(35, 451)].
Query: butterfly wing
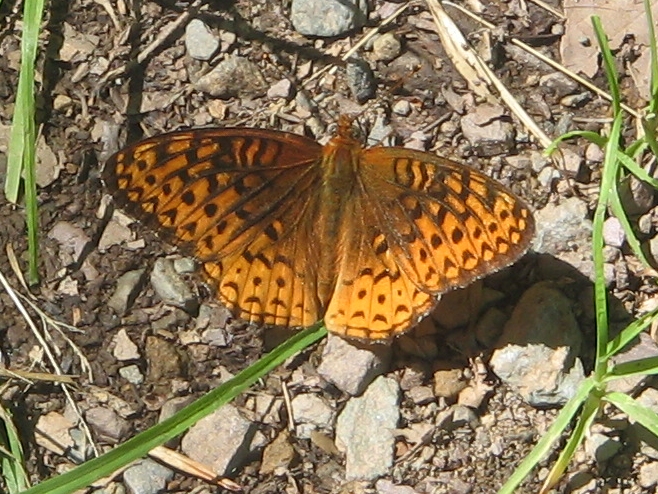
[(433, 225), (241, 201)]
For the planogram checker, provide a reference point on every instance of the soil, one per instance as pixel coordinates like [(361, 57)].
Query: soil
[(84, 116)]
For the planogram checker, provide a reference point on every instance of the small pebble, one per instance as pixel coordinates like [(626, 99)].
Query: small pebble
[(402, 107), (200, 42), (386, 47)]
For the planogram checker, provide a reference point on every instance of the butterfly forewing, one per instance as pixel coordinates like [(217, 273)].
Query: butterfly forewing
[(241, 200)]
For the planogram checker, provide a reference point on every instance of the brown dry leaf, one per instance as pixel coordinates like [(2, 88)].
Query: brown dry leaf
[(619, 19)]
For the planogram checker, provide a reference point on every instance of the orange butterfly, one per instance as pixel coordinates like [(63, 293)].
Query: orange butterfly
[(291, 232)]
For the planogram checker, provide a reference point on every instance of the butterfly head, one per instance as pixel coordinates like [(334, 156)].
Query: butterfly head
[(346, 130)]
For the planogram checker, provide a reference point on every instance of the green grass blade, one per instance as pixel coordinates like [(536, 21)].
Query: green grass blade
[(637, 170), (11, 456), (583, 424), (23, 135), (608, 65), (140, 445), (629, 333), (597, 139), (608, 182), (635, 411), (618, 211), (22, 140), (644, 366), (553, 434), (653, 101)]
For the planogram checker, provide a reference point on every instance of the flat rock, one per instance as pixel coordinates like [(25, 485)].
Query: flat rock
[(562, 226), (384, 486), (200, 42), (72, 240), (367, 425), (171, 288), (310, 412), (279, 454), (488, 130), (360, 79), (107, 424), (328, 18), (124, 349), (147, 477), (165, 362), (222, 440), (537, 353), (648, 475), (351, 368), (132, 374), (128, 287), (54, 432), (386, 47), (233, 76)]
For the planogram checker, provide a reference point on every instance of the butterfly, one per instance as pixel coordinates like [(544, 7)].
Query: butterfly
[(290, 232)]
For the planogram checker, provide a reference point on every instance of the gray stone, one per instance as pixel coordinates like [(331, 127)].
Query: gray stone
[(124, 349), (107, 424), (386, 47), (421, 395), (351, 368), (648, 476), (200, 42), (128, 287), (402, 107), (309, 413), (174, 405), (360, 79), (613, 233), (147, 477), (645, 224), (132, 374), (571, 161), (53, 432), (537, 353), (184, 265), (576, 100), (328, 18), (538, 161), (547, 176), (233, 76), (278, 455), (116, 232), (601, 447), (222, 440), (72, 240), (559, 84), (488, 131), (212, 322), (280, 89), (380, 133), (594, 154), (171, 288), (562, 227), (636, 196), (384, 486), (367, 425)]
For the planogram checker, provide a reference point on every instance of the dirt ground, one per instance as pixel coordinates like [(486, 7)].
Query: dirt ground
[(93, 97)]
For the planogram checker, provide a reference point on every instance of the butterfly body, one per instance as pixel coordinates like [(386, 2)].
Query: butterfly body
[(290, 232)]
